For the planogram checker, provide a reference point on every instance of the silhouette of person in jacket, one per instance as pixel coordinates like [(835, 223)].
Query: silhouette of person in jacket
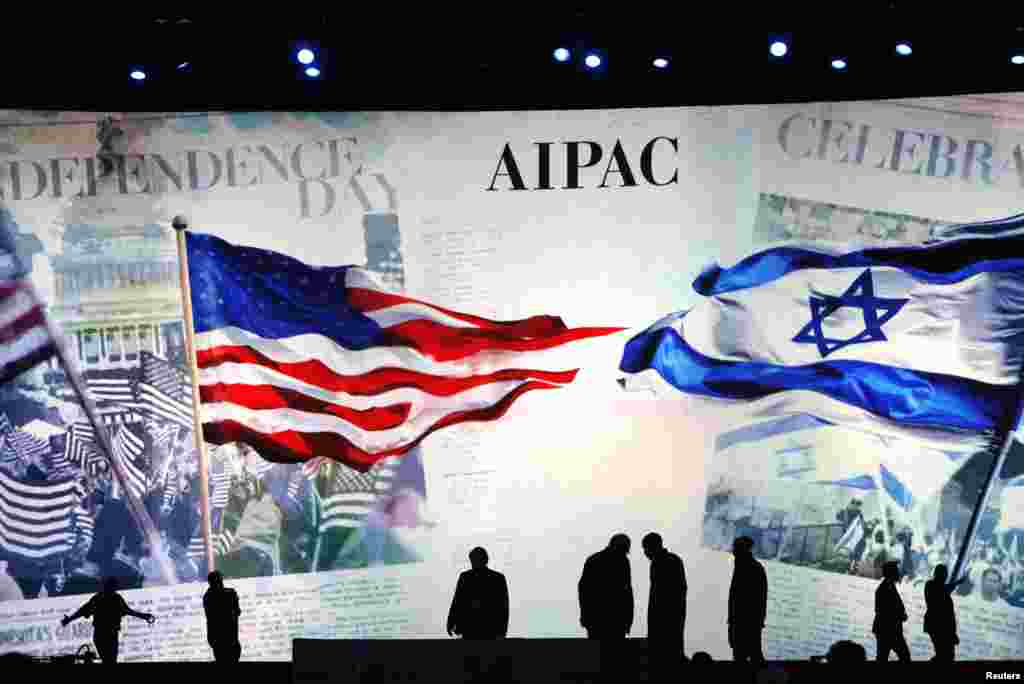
[(748, 603), (890, 616), (666, 607), (939, 616), (480, 605), (606, 592), (106, 608), (222, 610)]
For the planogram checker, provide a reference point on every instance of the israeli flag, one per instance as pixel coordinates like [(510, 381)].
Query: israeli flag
[(806, 449), (918, 342), (852, 536)]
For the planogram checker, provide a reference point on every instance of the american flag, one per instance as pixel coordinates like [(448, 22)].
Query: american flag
[(223, 542), (300, 361), (111, 387), (24, 338), (36, 518), (80, 447), (128, 448), (352, 497), (29, 449), (8, 457), (166, 377), (220, 478), (161, 392), (160, 407), (384, 475)]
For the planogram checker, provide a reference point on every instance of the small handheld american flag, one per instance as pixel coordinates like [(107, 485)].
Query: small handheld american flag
[(25, 339)]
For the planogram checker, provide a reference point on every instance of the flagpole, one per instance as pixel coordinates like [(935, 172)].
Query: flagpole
[(979, 509), (180, 225), (136, 507)]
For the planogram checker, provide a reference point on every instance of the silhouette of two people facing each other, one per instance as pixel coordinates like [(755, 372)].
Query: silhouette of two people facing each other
[(106, 609), (480, 606), (606, 599), (748, 603), (939, 616), (222, 610)]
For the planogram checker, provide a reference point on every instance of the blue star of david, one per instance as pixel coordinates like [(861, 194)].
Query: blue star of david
[(877, 312)]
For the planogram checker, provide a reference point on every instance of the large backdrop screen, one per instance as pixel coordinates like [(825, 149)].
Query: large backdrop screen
[(365, 427)]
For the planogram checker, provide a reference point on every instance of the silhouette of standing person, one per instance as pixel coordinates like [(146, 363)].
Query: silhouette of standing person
[(106, 608), (939, 616), (480, 605), (890, 616), (748, 603), (222, 611), (479, 609), (666, 606), (606, 592)]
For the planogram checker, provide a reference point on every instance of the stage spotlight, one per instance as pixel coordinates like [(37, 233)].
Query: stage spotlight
[(138, 75), (838, 63), (592, 61), (903, 49), (313, 72), (1017, 59), (305, 56), (183, 66), (660, 63), (778, 49), (562, 55)]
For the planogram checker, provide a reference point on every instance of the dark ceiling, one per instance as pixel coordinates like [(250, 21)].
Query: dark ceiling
[(384, 56)]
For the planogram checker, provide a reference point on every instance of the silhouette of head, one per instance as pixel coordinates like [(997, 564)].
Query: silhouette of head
[(478, 558), (743, 547), (891, 570), (879, 537), (941, 573), (110, 584), (991, 583), (216, 580), (701, 658), (843, 652), (619, 543), (652, 544)]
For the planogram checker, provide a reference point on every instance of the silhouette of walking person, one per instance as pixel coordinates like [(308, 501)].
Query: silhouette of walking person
[(890, 616), (748, 603), (939, 616), (606, 592), (106, 608), (480, 605), (666, 606), (220, 604)]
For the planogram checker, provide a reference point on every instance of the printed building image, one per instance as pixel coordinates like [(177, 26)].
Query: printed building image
[(116, 294)]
